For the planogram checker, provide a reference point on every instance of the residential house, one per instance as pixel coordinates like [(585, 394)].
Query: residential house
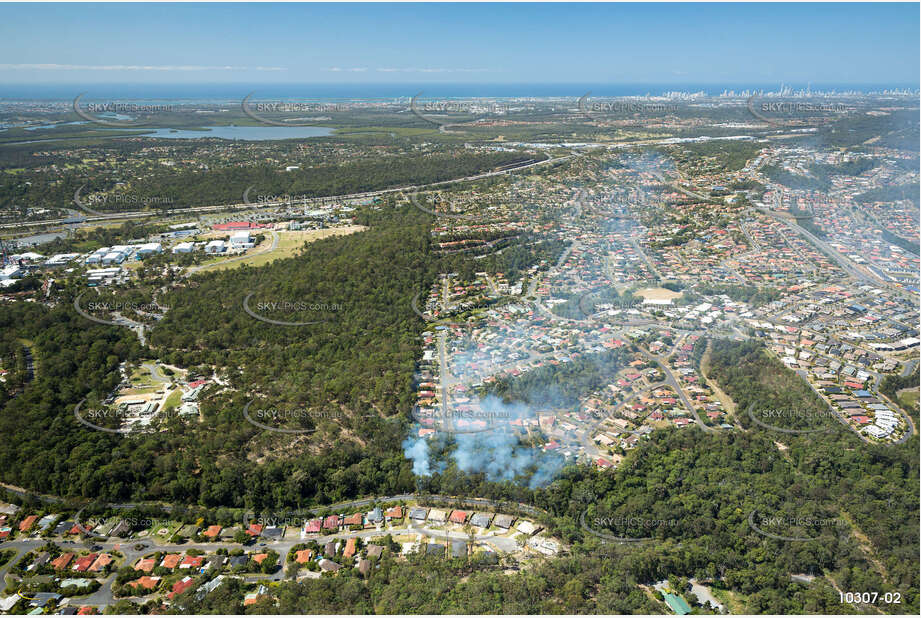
[(145, 564), (418, 513), (146, 582), (26, 524), (504, 521), (374, 551), (328, 565), (303, 556), (60, 563), (458, 517), (349, 548), (481, 520), (212, 532), (83, 562), (171, 561), (181, 586), (101, 562)]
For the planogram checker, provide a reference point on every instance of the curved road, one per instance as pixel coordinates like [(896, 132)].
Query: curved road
[(671, 381)]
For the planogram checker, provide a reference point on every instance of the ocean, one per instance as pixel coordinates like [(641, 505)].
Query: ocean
[(234, 93)]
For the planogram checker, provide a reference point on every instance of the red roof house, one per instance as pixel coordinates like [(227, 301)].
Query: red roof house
[(26, 524), (331, 522), (458, 517), (313, 526), (171, 561), (349, 550), (254, 529), (83, 563), (62, 561), (181, 586), (145, 564), (101, 562), (303, 556), (190, 562), (146, 582)]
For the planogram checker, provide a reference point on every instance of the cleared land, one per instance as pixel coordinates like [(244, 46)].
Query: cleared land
[(289, 243), (909, 397), (657, 294)]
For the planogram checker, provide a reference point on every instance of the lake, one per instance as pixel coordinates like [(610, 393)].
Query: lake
[(243, 133), (251, 134)]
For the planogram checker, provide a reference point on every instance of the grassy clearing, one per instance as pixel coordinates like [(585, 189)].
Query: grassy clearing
[(289, 244), (141, 378), (909, 398), (734, 601), (35, 360), (172, 402)]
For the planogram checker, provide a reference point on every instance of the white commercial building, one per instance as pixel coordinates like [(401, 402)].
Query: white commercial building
[(216, 246), (10, 272), (61, 259), (102, 276), (149, 249), (113, 257), (27, 257), (184, 247), (241, 240)]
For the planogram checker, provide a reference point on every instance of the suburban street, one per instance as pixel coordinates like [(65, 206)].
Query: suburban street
[(128, 547)]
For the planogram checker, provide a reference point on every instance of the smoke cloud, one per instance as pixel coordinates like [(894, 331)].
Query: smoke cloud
[(497, 451)]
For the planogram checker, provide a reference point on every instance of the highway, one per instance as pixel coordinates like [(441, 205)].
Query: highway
[(845, 263), (140, 214)]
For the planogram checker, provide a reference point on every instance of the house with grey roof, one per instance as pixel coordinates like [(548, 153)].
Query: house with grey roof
[(504, 521), (481, 520)]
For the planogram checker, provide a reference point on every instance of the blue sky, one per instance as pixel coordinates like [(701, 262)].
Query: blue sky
[(462, 43)]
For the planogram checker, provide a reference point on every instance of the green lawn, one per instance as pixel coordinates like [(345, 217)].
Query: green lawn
[(172, 402), (141, 378), (289, 244), (909, 398)]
